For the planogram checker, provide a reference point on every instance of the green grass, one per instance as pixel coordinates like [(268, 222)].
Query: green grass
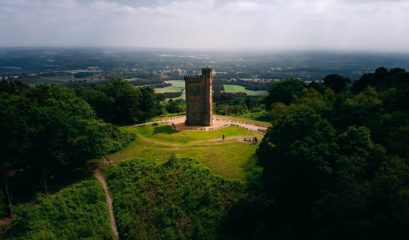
[(227, 158), (77, 212), (177, 86), (165, 133), (231, 88), (179, 199), (244, 119)]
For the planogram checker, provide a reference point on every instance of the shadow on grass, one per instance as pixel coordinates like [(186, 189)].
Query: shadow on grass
[(164, 129)]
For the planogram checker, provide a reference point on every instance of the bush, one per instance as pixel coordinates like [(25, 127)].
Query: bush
[(179, 199), (76, 212)]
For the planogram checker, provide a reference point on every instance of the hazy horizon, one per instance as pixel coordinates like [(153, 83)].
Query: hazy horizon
[(209, 25)]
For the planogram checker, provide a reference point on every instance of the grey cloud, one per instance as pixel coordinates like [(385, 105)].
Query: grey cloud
[(378, 25)]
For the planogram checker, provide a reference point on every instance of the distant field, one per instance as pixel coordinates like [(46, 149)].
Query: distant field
[(177, 86), (230, 88), (228, 158)]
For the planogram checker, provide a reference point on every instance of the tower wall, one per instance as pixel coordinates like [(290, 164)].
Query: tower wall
[(199, 98)]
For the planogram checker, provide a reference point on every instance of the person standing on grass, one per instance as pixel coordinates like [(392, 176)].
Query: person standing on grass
[(223, 137)]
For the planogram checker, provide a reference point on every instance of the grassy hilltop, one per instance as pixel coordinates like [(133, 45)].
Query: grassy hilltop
[(158, 143)]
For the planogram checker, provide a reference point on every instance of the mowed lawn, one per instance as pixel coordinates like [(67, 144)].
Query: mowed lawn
[(231, 88), (227, 158)]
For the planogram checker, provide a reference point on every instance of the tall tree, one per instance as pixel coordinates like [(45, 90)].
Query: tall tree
[(284, 91), (13, 138), (336, 82), (296, 155)]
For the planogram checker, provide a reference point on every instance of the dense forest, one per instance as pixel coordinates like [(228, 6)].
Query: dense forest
[(334, 164), (48, 133)]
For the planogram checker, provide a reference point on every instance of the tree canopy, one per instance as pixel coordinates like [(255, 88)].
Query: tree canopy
[(336, 166), (47, 132)]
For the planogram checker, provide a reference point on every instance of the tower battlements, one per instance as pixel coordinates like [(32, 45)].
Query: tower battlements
[(193, 78), (199, 98)]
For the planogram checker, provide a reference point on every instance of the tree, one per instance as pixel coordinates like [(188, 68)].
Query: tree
[(56, 125), (284, 91), (175, 106), (363, 109), (148, 103), (119, 102), (336, 82), (296, 155), (14, 135), (383, 79)]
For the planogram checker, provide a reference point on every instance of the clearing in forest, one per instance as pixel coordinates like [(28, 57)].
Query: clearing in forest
[(228, 157)]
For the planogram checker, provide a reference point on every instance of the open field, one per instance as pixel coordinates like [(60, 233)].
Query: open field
[(230, 88), (227, 158), (177, 86)]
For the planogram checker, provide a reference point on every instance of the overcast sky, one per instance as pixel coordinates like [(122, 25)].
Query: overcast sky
[(374, 25)]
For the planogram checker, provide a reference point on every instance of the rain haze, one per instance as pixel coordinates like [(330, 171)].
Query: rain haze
[(364, 25)]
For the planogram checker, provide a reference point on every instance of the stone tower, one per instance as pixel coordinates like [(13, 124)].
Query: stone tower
[(199, 98)]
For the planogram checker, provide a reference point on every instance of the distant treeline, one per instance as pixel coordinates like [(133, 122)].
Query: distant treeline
[(151, 82)]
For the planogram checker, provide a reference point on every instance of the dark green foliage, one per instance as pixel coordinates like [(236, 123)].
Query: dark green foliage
[(179, 199), (297, 155), (284, 91), (119, 102), (317, 86), (363, 109), (336, 82), (330, 189), (77, 212), (237, 105), (14, 140), (176, 106), (47, 133), (383, 79), (337, 170)]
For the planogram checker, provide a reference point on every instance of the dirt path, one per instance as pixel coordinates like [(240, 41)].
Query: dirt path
[(108, 199)]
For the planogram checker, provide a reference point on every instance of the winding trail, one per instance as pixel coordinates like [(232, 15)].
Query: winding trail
[(178, 123), (108, 199)]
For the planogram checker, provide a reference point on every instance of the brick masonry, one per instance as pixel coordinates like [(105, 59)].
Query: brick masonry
[(199, 110)]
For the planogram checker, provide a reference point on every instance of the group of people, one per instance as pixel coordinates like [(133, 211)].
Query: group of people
[(252, 140)]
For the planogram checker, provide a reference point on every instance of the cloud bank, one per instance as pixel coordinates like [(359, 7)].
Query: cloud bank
[(365, 25)]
